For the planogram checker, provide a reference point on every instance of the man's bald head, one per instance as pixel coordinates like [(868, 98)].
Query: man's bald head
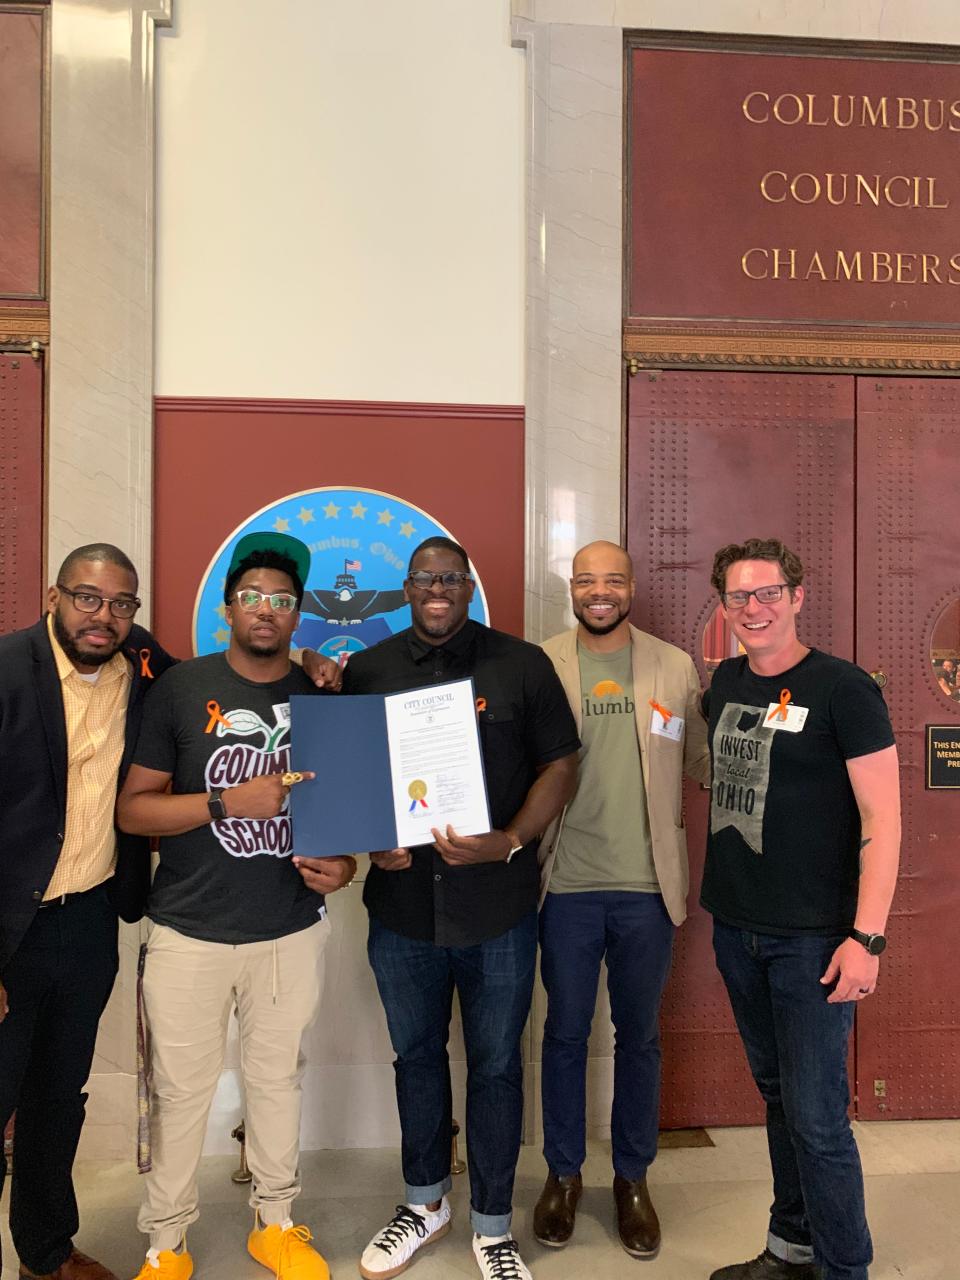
[(601, 592), (602, 556)]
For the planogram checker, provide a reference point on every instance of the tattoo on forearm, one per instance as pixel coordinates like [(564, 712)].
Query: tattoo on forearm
[(863, 845)]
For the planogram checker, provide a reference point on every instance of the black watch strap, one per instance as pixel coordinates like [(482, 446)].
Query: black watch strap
[(215, 804), (875, 943)]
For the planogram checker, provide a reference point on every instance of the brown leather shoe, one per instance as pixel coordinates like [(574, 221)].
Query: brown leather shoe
[(556, 1210), (77, 1267), (637, 1219)]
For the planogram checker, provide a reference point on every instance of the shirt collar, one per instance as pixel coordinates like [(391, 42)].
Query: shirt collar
[(110, 671), (457, 646)]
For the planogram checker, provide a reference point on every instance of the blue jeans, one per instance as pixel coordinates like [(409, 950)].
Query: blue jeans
[(635, 933), (796, 1045), (494, 982)]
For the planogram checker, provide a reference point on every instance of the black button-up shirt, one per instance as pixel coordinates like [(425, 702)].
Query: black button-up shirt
[(525, 722)]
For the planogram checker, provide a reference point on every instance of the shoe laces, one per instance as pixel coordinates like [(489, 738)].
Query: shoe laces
[(399, 1227), (291, 1239), (503, 1260)]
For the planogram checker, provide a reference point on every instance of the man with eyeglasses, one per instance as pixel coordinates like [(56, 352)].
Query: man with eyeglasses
[(71, 699), (801, 868), (236, 920), (461, 914), (614, 876)]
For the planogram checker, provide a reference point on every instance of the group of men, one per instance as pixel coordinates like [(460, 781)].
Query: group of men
[(584, 745)]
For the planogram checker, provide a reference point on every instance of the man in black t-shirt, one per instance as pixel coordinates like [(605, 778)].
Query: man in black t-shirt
[(237, 920), (801, 867), (462, 913)]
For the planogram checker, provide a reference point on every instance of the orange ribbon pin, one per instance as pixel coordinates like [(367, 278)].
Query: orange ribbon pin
[(781, 711), (481, 704), (665, 714), (216, 717), (145, 671)]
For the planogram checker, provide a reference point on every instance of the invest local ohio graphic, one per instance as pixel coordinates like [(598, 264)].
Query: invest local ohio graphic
[(360, 542)]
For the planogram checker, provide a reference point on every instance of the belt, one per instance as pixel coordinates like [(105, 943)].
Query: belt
[(63, 899)]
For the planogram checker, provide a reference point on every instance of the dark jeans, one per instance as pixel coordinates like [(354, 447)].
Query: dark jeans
[(58, 982), (494, 982), (796, 1045), (635, 933)]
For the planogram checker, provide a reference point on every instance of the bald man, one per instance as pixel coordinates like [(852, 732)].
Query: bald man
[(614, 884)]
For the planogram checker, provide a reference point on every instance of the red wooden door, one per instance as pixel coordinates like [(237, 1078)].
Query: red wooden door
[(711, 459), (908, 585), (21, 490)]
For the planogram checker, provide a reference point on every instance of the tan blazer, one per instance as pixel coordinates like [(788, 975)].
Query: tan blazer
[(667, 675)]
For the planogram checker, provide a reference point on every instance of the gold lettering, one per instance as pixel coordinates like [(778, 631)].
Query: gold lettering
[(745, 264), (811, 99), (795, 188), (907, 108), (791, 260), (765, 97), (927, 122), (830, 193), (842, 124), (774, 173), (954, 276), (931, 193), (876, 116), (778, 112), (901, 204), (863, 185), (882, 261), (852, 269), (954, 125), (906, 262), (815, 267), (930, 264)]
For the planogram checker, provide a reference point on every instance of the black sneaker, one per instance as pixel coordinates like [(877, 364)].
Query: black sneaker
[(768, 1267)]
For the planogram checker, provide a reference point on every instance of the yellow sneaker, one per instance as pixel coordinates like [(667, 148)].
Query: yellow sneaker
[(286, 1252), (165, 1265)]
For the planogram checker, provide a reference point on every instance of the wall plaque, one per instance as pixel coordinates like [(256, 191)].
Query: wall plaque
[(795, 201), (943, 757)]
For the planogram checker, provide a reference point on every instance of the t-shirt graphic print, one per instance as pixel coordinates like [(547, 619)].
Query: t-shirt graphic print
[(251, 747), (741, 772)]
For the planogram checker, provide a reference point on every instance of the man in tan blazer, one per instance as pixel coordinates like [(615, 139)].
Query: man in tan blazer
[(614, 884)]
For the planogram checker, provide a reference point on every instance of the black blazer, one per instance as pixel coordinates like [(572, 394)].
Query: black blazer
[(33, 778)]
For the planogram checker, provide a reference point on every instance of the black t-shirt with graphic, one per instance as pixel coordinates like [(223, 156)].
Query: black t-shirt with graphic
[(783, 852), (230, 881)]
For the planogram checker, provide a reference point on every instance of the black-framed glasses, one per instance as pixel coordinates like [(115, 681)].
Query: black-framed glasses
[(250, 600), (763, 595), (87, 602), (425, 580)]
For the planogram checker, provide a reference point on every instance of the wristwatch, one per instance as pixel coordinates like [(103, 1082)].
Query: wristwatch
[(875, 943), (215, 804)]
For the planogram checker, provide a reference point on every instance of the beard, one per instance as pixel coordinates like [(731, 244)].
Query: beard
[(600, 628), (70, 646)]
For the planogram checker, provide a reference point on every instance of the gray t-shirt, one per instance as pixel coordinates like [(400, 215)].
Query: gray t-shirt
[(605, 840), (232, 880)]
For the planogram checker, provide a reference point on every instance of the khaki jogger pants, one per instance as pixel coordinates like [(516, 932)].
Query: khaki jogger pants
[(190, 988)]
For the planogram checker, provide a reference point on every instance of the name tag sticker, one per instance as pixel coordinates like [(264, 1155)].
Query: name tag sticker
[(789, 718), (665, 727)]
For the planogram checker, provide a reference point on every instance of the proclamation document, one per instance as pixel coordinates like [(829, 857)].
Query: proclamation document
[(436, 769)]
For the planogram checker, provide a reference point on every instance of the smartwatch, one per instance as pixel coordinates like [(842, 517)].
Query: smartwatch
[(875, 943), (215, 804)]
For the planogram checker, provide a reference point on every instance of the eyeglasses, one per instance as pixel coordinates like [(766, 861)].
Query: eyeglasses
[(425, 580), (87, 602), (764, 595), (280, 601)]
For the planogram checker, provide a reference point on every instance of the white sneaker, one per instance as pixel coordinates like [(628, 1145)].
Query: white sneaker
[(498, 1258), (392, 1249)]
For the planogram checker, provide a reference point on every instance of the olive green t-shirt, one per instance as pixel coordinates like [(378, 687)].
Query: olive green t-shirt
[(605, 840)]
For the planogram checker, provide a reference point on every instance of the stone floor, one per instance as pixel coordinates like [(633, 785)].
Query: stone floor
[(712, 1203)]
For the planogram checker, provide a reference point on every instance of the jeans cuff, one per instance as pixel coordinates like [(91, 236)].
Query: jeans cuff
[(786, 1251), (491, 1224), (427, 1195)]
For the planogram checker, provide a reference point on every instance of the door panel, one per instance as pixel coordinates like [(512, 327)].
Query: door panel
[(21, 490), (711, 459), (908, 571)]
